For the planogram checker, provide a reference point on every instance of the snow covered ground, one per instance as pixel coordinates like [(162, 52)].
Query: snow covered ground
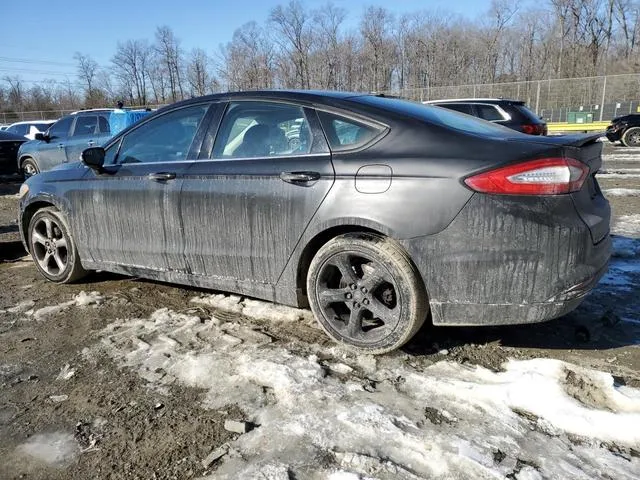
[(325, 412)]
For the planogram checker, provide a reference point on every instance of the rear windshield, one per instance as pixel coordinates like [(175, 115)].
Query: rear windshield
[(436, 115), (525, 112)]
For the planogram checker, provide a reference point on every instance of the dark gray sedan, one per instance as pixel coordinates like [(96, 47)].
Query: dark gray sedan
[(381, 214)]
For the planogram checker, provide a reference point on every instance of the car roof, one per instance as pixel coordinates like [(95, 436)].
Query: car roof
[(31, 122), (89, 110), (474, 100)]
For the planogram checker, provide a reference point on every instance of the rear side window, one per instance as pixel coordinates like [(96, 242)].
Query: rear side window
[(458, 107), (524, 111), (489, 112), (21, 129), (438, 116), (85, 125), (345, 133), (61, 127), (263, 129)]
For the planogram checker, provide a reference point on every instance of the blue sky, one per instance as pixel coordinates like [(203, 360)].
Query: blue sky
[(40, 32)]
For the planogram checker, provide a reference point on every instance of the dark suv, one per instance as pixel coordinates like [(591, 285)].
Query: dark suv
[(625, 129), (510, 113)]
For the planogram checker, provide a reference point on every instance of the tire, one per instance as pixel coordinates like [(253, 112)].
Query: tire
[(366, 293), (29, 168), (631, 137), (56, 262)]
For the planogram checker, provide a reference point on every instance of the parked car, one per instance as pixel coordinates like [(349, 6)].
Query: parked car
[(513, 114), (625, 129), (3, 127), (64, 141), (388, 211), (9, 145), (30, 128)]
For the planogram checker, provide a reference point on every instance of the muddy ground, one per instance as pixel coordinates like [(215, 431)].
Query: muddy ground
[(50, 383)]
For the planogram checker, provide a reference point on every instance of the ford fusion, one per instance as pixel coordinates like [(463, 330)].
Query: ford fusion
[(377, 213)]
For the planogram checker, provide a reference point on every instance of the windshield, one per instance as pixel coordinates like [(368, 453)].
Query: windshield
[(437, 115)]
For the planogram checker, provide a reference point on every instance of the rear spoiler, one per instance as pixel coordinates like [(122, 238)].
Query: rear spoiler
[(573, 140)]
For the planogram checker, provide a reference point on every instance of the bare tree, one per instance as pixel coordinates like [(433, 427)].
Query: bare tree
[(167, 47), (292, 22), (131, 67)]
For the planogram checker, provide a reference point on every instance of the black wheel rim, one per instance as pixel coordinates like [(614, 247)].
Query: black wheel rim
[(49, 246), (634, 139), (358, 298)]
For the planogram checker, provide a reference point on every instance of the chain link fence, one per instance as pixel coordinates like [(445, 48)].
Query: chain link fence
[(579, 100), (556, 100)]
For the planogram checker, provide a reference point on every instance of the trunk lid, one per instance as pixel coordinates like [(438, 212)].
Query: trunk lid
[(590, 203)]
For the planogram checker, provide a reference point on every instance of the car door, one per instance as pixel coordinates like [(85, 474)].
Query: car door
[(246, 204), (130, 212), (82, 136), (52, 152)]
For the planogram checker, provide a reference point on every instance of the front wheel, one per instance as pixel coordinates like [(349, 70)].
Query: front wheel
[(53, 248), (631, 137), (29, 168), (366, 293)]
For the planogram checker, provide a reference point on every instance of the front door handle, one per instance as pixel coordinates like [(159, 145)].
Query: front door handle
[(91, 143), (161, 176), (299, 177), (61, 145)]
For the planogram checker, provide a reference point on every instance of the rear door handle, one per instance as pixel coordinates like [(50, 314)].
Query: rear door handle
[(91, 143), (299, 177), (161, 176), (61, 145)]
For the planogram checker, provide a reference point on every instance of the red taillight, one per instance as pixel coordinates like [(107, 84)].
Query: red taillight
[(533, 128), (546, 176)]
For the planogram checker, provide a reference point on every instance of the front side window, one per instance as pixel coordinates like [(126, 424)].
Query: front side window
[(262, 129), (166, 138), (489, 112), (61, 127), (85, 125), (345, 133)]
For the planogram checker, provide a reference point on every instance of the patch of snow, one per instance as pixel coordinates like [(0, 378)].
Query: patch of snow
[(57, 448), (622, 192), (22, 306), (254, 308), (609, 176), (531, 412), (66, 373), (609, 171), (627, 225), (82, 299), (622, 155)]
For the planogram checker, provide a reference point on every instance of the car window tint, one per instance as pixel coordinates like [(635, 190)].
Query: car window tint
[(85, 125), (166, 138), (345, 133), (103, 125), (458, 107), (21, 129), (262, 129), (489, 112), (61, 127)]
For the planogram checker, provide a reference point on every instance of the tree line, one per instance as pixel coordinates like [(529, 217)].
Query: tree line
[(300, 47)]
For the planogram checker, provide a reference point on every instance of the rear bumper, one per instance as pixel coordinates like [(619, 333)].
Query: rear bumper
[(509, 261), (614, 135)]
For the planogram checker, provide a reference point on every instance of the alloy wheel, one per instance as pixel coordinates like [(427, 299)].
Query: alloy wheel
[(358, 297), (50, 246)]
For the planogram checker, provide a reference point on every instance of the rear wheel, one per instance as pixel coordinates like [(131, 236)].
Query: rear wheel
[(53, 248), (631, 137), (366, 293), (29, 168)]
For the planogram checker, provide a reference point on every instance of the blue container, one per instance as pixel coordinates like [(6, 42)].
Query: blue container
[(121, 119)]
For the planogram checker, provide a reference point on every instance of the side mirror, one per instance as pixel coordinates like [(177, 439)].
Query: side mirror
[(93, 158), (42, 137)]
